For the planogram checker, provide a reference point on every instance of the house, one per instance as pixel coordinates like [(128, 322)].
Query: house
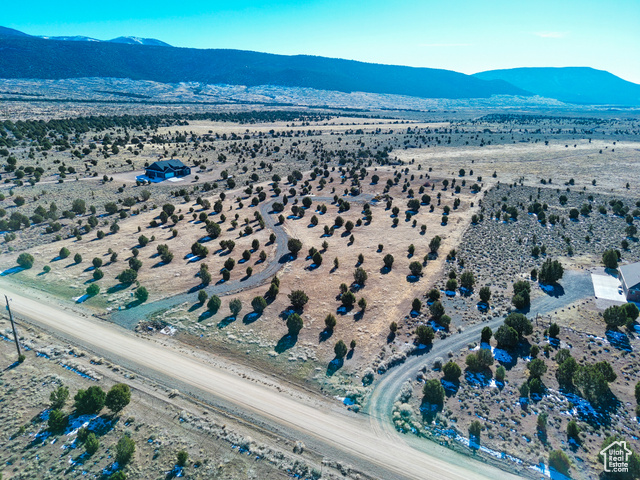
[(166, 169), (629, 276)]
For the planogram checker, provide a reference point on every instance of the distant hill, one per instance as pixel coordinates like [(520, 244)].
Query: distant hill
[(10, 32), (139, 41), (32, 57), (582, 85)]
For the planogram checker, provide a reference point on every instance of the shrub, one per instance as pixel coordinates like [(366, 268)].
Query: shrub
[(182, 458), (64, 252), (118, 397), (388, 261), (500, 373), (573, 430), (235, 306), (294, 245), (475, 429), (213, 305), (77, 258), (415, 268), (59, 397), (57, 421), (360, 276), (425, 334), (91, 443), (298, 299), (506, 337), (259, 304), (559, 461), (610, 259), (433, 392), (436, 309), (25, 260), (142, 294), (486, 334), (127, 276), (331, 322), (416, 305), (348, 299), (340, 349), (93, 289), (485, 294), (554, 330), (451, 371), (550, 272), (125, 449), (90, 400), (294, 324)]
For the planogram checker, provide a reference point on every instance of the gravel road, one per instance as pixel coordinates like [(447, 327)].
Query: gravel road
[(324, 427)]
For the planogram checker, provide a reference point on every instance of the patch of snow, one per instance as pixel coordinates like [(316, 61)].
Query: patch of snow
[(169, 330)]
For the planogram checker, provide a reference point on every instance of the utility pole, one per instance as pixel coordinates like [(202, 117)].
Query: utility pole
[(13, 326)]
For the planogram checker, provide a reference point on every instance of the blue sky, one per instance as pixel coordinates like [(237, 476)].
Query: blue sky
[(463, 35)]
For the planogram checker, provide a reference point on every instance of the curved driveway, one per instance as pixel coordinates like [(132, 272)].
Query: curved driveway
[(386, 389), (129, 318)]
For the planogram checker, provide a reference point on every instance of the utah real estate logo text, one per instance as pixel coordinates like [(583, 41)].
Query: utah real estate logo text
[(616, 457)]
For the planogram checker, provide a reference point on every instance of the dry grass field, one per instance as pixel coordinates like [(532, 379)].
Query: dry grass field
[(343, 177)]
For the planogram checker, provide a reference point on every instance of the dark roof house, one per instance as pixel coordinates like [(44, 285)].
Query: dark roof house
[(629, 276), (166, 169)]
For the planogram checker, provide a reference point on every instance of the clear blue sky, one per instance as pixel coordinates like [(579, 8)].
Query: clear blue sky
[(463, 35)]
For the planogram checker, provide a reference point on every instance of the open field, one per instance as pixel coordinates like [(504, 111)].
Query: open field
[(437, 199)]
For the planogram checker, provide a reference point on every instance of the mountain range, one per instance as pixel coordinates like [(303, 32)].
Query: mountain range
[(570, 84), (27, 56)]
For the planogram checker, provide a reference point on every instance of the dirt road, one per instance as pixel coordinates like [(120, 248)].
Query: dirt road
[(342, 435)]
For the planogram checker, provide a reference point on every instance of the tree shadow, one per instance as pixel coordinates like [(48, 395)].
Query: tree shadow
[(451, 387), (334, 365), (555, 290), (413, 278), (287, 257), (429, 411), (195, 307), (358, 316), (619, 340), (118, 287), (391, 337), (325, 335), (285, 343), (204, 315), (251, 317), (226, 321), (350, 354), (196, 288), (385, 270), (133, 304)]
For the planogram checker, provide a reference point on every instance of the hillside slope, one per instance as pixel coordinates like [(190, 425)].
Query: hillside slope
[(31, 57), (570, 84)]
